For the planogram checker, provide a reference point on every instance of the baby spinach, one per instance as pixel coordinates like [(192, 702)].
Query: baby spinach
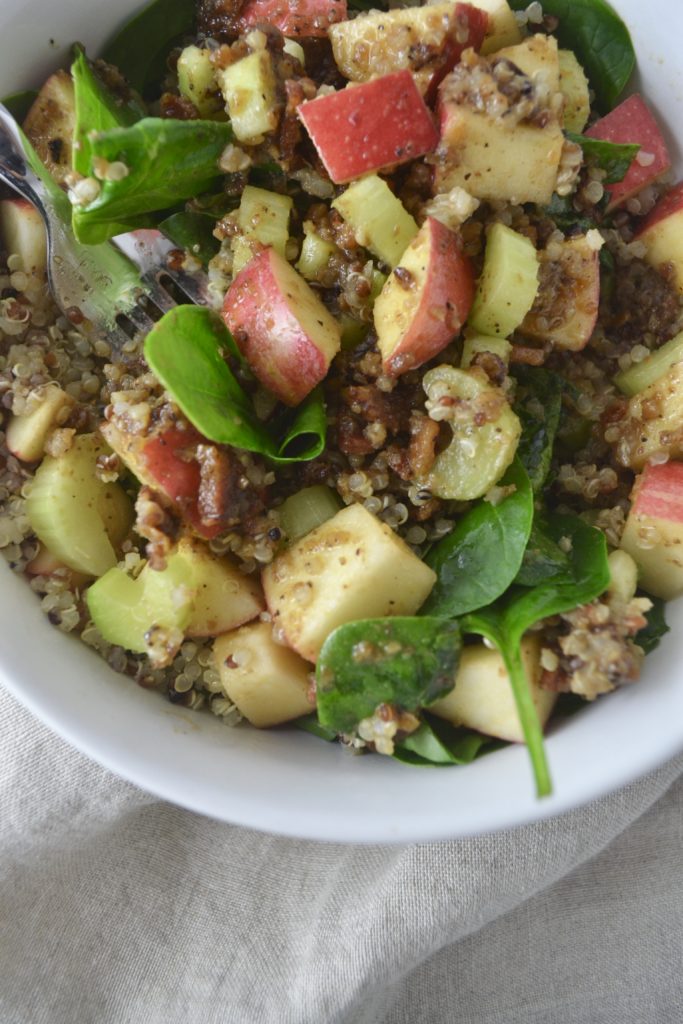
[(614, 158), (167, 161), (478, 561), (543, 558), (186, 350), (310, 723), (650, 636), (505, 623), (140, 48), (437, 742), (600, 40), (96, 110), (408, 662), (194, 232), (538, 406), (561, 210)]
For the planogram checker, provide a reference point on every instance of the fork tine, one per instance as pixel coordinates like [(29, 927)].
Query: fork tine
[(153, 254), (140, 318), (157, 293), (117, 337)]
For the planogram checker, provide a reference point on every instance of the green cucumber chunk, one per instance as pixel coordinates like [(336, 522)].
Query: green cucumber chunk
[(508, 283)]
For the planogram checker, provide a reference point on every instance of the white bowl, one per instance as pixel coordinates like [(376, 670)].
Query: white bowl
[(290, 782)]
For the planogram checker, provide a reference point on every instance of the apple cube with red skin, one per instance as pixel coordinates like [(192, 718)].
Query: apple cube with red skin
[(165, 462), (425, 301), (295, 18), (565, 312), (281, 327), (662, 233), (22, 230), (653, 535), (368, 127), (633, 121)]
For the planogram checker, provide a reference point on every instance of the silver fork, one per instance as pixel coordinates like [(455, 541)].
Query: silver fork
[(81, 277)]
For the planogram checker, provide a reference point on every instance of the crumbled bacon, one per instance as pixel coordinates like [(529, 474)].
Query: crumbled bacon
[(226, 497)]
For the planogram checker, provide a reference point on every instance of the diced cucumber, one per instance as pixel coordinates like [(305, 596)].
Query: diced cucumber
[(378, 219), (197, 81), (508, 283), (126, 610), (478, 453), (79, 519), (307, 509), (574, 86), (641, 375), (250, 92), (315, 253), (476, 343)]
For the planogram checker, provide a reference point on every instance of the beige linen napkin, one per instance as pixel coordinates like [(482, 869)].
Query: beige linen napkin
[(117, 908)]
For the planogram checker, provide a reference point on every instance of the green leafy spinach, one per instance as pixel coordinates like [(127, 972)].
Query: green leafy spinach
[(538, 406), (406, 661), (478, 561), (437, 742), (186, 350), (650, 636), (194, 232), (614, 158)]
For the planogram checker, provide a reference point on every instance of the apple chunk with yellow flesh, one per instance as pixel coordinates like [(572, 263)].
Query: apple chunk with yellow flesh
[(224, 598), (653, 535), (566, 307), (662, 235), (281, 327), (22, 230), (425, 301)]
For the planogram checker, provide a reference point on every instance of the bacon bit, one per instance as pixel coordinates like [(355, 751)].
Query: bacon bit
[(527, 355), (422, 449), (223, 498), (177, 107)]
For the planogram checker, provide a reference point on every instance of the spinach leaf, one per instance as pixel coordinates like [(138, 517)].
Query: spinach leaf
[(141, 47), (96, 110), (478, 561), (186, 350), (613, 157), (543, 558), (505, 622), (650, 636), (194, 232), (310, 723), (600, 40), (19, 103), (438, 743), (167, 161), (538, 405), (404, 661), (561, 210)]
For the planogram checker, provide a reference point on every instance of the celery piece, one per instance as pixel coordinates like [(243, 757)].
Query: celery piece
[(263, 217), (315, 253), (79, 519), (197, 81), (250, 92), (127, 611), (307, 509), (476, 343), (641, 375), (508, 283), (377, 218), (574, 87)]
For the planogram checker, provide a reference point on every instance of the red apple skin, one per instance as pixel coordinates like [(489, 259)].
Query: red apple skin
[(670, 204), (436, 303), (659, 492), (662, 233), (633, 121), (295, 18), (366, 127), (653, 534), (281, 327), (476, 22)]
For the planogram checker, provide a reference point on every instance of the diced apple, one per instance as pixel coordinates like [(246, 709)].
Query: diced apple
[(653, 535), (566, 307), (493, 157), (224, 598), (22, 230), (574, 87), (250, 92), (502, 29), (281, 327), (380, 42), (28, 431), (633, 121), (148, 614), (352, 567), (662, 234), (80, 519), (426, 300), (299, 18), (482, 697), (538, 58), (377, 217), (484, 436), (49, 124), (165, 461), (653, 421), (508, 284), (268, 683), (370, 126)]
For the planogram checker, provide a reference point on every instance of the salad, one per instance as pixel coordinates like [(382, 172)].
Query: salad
[(411, 479)]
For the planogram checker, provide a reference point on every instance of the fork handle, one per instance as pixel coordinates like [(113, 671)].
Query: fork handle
[(15, 170)]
